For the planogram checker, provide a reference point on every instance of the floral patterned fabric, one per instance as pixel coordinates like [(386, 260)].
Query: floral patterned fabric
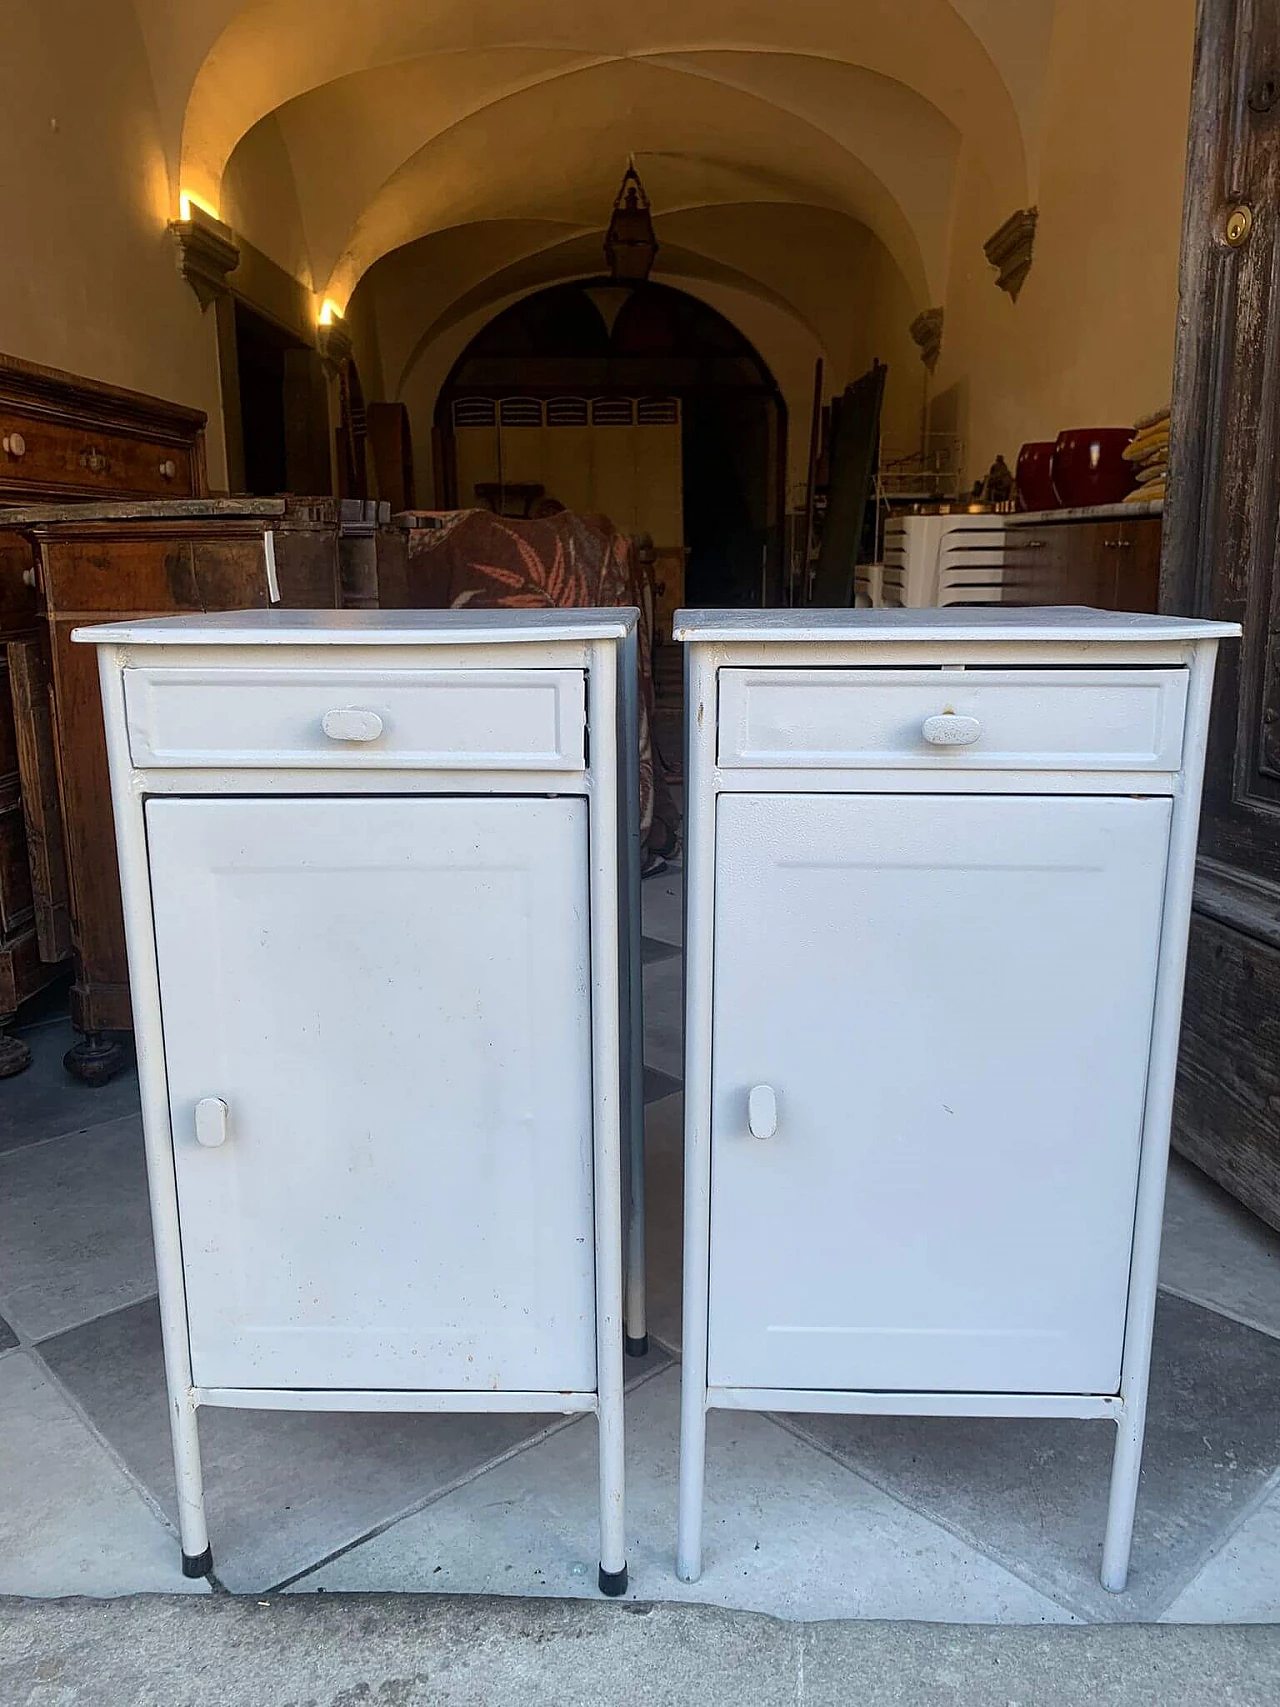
[(474, 558)]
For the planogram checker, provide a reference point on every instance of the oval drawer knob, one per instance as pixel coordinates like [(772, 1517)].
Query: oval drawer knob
[(762, 1111), (351, 724), (949, 730), (211, 1122)]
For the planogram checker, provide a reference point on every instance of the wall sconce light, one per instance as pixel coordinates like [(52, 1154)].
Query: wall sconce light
[(187, 199), (332, 337), (207, 249)]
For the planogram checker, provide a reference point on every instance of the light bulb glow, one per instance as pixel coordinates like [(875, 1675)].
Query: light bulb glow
[(329, 312)]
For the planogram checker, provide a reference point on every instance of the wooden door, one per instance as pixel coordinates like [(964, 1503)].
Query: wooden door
[(1221, 526), (390, 996), (951, 998)]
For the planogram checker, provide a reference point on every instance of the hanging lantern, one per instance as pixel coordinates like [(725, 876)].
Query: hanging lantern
[(630, 247)]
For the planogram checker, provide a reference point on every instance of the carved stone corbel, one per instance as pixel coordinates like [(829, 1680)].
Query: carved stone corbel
[(1009, 249), (207, 252), (926, 330)]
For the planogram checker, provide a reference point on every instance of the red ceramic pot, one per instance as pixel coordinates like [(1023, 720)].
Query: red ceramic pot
[(1088, 467), (1034, 476)]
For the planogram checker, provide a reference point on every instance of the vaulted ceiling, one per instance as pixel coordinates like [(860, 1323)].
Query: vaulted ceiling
[(340, 132)]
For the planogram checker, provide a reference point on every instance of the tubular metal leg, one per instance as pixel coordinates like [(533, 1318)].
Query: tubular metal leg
[(1123, 1499), (613, 1540), (693, 1461), (197, 1557), (636, 1329)]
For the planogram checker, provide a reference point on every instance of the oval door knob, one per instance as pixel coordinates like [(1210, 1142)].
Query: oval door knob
[(211, 1122), (949, 730), (762, 1111), (351, 724), (15, 444)]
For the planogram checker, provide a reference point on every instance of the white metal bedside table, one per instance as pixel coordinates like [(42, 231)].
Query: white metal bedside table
[(938, 882), (381, 887)]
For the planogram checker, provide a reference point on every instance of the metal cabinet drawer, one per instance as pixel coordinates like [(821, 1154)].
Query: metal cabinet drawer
[(942, 719), (375, 719)]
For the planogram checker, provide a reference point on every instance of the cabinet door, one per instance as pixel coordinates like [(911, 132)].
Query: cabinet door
[(951, 998), (391, 997)]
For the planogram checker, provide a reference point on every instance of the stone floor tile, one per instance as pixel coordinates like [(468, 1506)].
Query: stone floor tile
[(1241, 1582), (45, 1101), (662, 905), (1033, 1494), (392, 1651), (788, 1531), (1135, 1665), (1216, 1253), (75, 1228), (283, 1489), (653, 949), (658, 1085), (663, 1018), (70, 1522), (8, 1339), (664, 1178)]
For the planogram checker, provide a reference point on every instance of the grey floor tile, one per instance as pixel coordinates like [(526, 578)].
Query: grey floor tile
[(788, 1531), (662, 905), (658, 1085), (75, 1229), (929, 1665), (395, 1651), (70, 1522), (651, 949), (664, 1176), (663, 1017), (283, 1489), (1217, 1253), (1033, 1494), (8, 1339), (1241, 1582), (46, 1101)]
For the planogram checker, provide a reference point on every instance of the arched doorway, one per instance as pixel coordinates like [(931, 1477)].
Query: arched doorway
[(635, 399)]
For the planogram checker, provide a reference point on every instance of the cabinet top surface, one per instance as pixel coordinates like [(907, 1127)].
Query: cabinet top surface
[(363, 627), (1066, 623)]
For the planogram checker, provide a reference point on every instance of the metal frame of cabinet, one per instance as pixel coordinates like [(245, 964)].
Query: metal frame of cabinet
[(211, 723), (1060, 750)]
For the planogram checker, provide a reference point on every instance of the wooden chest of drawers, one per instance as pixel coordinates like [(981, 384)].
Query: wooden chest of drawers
[(61, 437), (139, 558)]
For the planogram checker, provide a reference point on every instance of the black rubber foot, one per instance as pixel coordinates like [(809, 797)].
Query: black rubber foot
[(636, 1348), (202, 1564), (95, 1061), (613, 1583)]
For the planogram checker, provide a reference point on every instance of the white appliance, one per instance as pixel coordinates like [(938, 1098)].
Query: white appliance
[(388, 1023), (938, 883)]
